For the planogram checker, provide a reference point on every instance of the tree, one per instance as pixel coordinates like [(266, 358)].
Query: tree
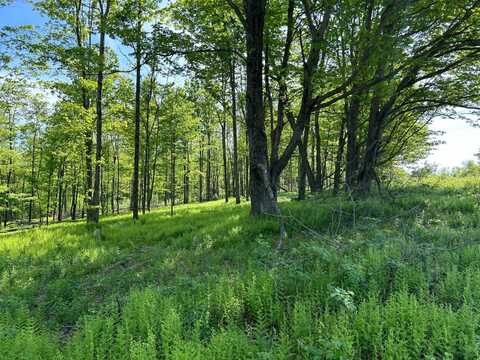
[(340, 93), (104, 8), (130, 23), (262, 195)]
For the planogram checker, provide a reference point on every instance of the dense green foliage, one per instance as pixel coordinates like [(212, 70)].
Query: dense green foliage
[(108, 105), (394, 278), (306, 112)]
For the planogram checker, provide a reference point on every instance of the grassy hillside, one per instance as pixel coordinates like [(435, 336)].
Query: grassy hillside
[(394, 278)]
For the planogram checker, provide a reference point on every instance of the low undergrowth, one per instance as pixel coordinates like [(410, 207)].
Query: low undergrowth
[(379, 278)]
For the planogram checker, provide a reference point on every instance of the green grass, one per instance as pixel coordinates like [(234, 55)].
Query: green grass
[(394, 278)]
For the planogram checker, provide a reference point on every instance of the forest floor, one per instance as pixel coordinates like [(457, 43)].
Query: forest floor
[(378, 278)]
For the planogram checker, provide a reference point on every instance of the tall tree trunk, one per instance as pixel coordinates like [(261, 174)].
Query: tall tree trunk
[(319, 179), (173, 173), (80, 27), (11, 135), (263, 181), (118, 180), (155, 159), (216, 182), (145, 170), (268, 91), (223, 125), (61, 173), (186, 176), (88, 162), (290, 175), (32, 174), (304, 164), (236, 177), (367, 172), (165, 193), (200, 176), (39, 206), (241, 178), (93, 212), (326, 153), (355, 106), (146, 159), (247, 172), (136, 160), (103, 193), (73, 207), (114, 185), (209, 167), (262, 192), (304, 167), (49, 194), (302, 178)]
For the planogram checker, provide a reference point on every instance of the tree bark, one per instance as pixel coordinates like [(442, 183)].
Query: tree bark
[(118, 179), (236, 177), (136, 160), (209, 167), (353, 115), (186, 175), (200, 176), (93, 212), (223, 125), (319, 176), (173, 174), (73, 207), (61, 173), (49, 194), (11, 119), (80, 26), (155, 157), (148, 130), (33, 180), (303, 164), (114, 183), (260, 179), (165, 193)]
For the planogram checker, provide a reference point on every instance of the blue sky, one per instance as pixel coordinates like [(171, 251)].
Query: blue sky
[(462, 140), (19, 13)]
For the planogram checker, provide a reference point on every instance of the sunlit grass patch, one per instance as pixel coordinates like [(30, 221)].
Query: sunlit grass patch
[(371, 278)]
